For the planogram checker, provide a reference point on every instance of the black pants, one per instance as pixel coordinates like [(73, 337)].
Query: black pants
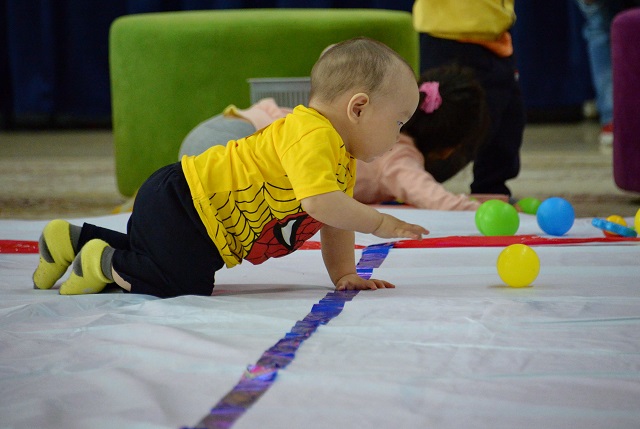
[(166, 251), (498, 159)]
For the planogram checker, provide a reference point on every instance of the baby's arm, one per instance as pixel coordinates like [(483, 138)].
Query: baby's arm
[(340, 211), (338, 256)]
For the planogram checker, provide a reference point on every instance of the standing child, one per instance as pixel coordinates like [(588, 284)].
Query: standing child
[(477, 35), (257, 197), (596, 31)]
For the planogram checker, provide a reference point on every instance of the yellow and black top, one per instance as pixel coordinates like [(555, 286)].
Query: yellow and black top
[(248, 192)]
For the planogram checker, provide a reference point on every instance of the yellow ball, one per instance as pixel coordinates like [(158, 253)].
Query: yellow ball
[(637, 221), (615, 219), (518, 265)]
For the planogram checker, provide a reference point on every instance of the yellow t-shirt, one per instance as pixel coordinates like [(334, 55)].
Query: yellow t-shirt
[(248, 192), (463, 20)]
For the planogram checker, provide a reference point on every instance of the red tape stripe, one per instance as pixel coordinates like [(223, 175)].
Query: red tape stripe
[(25, 246), (18, 246), (503, 241)]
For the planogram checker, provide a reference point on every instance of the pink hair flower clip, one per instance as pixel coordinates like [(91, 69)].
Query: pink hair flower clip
[(432, 99)]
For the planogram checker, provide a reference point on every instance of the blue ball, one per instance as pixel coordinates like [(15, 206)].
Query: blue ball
[(555, 216)]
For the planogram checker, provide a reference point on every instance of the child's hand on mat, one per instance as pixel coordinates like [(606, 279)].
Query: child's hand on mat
[(355, 282), (392, 227)]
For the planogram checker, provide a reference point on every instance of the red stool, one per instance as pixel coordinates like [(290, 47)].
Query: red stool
[(625, 47)]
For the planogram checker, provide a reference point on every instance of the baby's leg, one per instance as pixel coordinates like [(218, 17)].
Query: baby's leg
[(179, 268), (170, 252), (91, 270), (58, 245), (116, 239)]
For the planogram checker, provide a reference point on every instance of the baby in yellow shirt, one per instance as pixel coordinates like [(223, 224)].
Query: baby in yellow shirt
[(257, 197)]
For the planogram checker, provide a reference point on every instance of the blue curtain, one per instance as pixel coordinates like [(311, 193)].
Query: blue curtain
[(54, 53), (56, 61)]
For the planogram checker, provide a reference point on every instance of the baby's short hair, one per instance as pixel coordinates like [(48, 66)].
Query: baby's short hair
[(361, 63)]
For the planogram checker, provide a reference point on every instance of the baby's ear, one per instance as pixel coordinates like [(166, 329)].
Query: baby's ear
[(358, 103)]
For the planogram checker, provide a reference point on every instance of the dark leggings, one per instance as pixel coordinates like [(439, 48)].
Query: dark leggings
[(166, 251), (498, 160)]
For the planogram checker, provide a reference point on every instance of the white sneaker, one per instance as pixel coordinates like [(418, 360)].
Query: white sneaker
[(606, 135)]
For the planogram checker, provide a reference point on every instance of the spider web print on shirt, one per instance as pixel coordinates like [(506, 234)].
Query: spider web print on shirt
[(262, 222), (265, 219)]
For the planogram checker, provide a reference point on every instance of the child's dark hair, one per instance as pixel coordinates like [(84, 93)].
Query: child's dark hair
[(461, 122)]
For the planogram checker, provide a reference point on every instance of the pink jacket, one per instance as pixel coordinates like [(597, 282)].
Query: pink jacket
[(400, 175)]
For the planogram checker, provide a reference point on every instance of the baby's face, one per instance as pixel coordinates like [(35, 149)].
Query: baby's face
[(380, 130)]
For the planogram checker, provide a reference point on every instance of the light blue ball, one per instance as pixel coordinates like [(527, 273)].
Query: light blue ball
[(555, 216)]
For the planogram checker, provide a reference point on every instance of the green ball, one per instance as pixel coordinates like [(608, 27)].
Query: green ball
[(529, 205), (495, 217)]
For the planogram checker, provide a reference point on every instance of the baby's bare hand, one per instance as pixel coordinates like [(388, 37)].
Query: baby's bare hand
[(355, 282), (392, 227), (409, 230)]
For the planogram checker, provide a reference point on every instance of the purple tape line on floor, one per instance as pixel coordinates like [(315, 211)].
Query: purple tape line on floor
[(257, 378)]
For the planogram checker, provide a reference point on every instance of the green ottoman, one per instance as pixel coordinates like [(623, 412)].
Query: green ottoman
[(172, 70)]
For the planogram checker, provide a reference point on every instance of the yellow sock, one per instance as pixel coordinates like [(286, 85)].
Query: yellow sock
[(56, 254), (87, 275)]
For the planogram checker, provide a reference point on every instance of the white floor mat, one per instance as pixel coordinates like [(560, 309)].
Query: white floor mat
[(450, 347)]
